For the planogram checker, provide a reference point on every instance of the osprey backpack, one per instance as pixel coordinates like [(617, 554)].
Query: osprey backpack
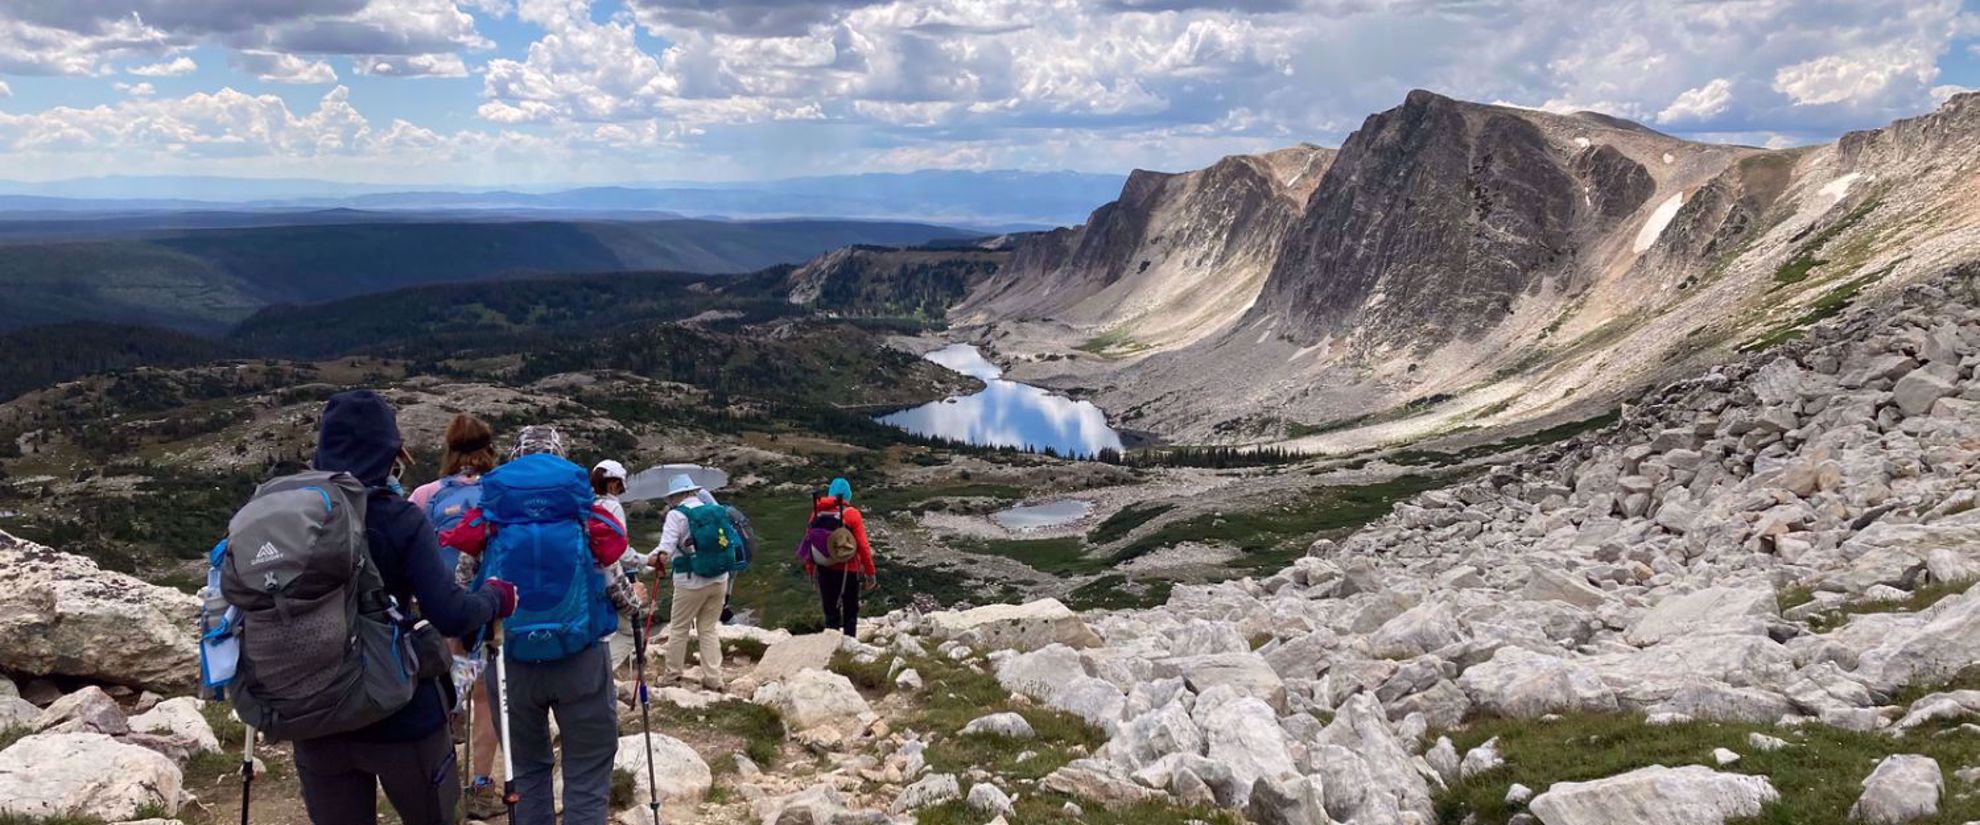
[(540, 508), (298, 631)]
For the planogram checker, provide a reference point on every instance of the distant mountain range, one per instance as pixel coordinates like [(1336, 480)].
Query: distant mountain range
[(991, 200)]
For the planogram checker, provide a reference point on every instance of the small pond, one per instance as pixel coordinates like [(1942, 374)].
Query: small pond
[(1040, 516)]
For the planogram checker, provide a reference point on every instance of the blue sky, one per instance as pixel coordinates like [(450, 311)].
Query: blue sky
[(523, 92)]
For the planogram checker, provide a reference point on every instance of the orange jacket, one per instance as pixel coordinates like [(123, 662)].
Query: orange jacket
[(862, 562)]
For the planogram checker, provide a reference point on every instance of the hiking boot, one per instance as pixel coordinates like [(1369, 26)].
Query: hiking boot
[(484, 800)]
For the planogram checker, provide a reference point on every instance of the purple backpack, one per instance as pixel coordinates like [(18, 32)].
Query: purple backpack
[(828, 542)]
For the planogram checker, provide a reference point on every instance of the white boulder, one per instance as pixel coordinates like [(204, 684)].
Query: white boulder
[(1712, 610), (179, 717), (816, 699), (51, 775), (1013, 626), (1008, 725), (61, 614), (1656, 795), (680, 772), (1901, 789), (1519, 682)]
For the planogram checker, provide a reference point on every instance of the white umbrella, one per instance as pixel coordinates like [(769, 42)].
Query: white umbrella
[(651, 483)]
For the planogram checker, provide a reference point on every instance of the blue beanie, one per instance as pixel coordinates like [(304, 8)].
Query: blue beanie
[(841, 489)]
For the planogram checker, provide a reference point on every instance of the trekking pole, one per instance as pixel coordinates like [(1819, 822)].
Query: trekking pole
[(247, 773), (509, 795), (467, 776), (645, 718)]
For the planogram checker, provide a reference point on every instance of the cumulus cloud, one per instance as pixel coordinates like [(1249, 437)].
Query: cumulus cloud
[(278, 67), (80, 37), (418, 65), (135, 89), (5, 90), (746, 17), (1035, 83), (1701, 103), (395, 27), (30, 48), (1860, 77), (177, 66)]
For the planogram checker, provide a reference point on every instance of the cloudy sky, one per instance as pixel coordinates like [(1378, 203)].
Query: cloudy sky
[(493, 92)]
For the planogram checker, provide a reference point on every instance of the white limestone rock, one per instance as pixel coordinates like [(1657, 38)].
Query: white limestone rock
[(1742, 610), (816, 699), (50, 775), (179, 717), (1013, 626), (679, 770), (1521, 683), (1656, 795), (929, 791), (1902, 788), (1009, 725), (56, 604)]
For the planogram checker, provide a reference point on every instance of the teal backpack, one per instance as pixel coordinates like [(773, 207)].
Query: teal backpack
[(714, 545)]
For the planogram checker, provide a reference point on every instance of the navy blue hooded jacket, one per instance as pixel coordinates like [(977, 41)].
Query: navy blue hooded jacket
[(360, 436)]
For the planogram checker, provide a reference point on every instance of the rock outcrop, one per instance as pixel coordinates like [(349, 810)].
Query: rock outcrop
[(62, 615)]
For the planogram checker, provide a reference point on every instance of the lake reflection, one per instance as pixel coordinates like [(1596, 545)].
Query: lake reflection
[(1007, 413)]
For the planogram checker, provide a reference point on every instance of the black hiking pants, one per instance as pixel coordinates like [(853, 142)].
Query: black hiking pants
[(839, 590), (340, 779)]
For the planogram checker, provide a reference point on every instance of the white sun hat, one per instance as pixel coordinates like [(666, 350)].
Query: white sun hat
[(613, 469), (680, 484)]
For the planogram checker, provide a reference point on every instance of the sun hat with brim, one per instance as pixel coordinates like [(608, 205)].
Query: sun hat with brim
[(612, 469), (681, 484)]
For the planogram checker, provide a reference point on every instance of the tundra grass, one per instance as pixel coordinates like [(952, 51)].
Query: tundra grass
[(1819, 774), (1273, 537), (1116, 592), (1125, 520), (1550, 435), (955, 695), (760, 729), (1922, 598), (1064, 556)]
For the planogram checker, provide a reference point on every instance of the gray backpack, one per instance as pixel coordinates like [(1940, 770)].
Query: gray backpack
[(322, 650)]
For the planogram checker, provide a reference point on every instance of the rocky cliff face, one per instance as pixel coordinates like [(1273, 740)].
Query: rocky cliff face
[(872, 280), (1461, 266), (1176, 258)]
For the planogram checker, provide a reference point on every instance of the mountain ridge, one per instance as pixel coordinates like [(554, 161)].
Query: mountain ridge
[(1466, 266)]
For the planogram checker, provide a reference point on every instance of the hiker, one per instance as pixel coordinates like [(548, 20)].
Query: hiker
[(838, 555), (469, 453), (743, 554), (699, 543), (411, 752), (608, 483), (539, 520)]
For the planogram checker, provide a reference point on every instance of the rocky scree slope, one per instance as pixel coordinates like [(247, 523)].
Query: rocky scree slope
[(1642, 568), (1462, 265), (1175, 258)]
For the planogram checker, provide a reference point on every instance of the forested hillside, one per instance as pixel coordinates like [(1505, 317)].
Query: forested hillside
[(207, 280)]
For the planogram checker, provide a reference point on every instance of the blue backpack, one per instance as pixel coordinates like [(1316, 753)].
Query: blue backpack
[(540, 506), (449, 505)]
